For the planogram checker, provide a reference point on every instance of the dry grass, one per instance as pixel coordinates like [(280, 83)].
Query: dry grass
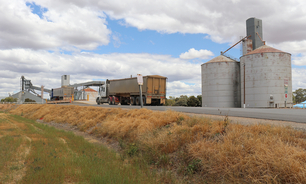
[(217, 151), (6, 106)]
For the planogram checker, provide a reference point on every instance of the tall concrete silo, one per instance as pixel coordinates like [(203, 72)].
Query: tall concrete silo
[(220, 83), (266, 78), (254, 29)]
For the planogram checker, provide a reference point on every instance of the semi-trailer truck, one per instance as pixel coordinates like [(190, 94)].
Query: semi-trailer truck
[(126, 91)]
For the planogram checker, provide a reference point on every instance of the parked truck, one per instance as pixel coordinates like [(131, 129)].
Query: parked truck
[(126, 91), (63, 93)]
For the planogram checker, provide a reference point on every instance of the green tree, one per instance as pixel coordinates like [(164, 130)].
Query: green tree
[(300, 95), (193, 101), (170, 101), (181, 101), (200, 100), (29, 100), (9, 99)]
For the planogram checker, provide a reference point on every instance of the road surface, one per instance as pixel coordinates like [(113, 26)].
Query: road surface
[(294, 115)]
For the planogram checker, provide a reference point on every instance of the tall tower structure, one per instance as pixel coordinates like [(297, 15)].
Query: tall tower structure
[(254, 26), (65, 80)]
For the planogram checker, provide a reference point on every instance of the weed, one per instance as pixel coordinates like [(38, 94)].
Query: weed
[(180, 119), (132, 149), (121, 143), (163, 160), (14, 168), (194, 166)]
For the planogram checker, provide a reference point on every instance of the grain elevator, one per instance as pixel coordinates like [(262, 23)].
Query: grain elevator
[(262, 78)]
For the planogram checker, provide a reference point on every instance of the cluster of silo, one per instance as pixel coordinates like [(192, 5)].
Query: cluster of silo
[(262, 78)]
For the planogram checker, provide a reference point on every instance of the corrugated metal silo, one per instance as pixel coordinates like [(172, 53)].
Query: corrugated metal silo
[(220, 83), (265, 77)]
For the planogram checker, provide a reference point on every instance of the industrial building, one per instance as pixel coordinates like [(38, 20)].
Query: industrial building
[(66, 92), (262, 78)]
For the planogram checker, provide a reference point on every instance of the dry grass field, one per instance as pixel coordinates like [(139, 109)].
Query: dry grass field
[(195, 149)]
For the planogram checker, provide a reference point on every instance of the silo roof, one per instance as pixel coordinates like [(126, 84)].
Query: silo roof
[(221, 58), (265, 49)]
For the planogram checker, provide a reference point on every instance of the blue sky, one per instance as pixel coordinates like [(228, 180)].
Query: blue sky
[(127, 39), (90, 40)]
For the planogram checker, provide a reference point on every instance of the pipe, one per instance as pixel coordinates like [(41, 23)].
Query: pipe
[(235, 44), (261, 39), (243, 85)]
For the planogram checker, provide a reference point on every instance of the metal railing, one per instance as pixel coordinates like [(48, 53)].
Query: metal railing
[(21, 103), (231, 57)]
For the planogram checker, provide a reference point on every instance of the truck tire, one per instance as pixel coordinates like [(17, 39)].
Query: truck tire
[(137, 100), (144, 100), (133, 100), (109, 101), (113, 100)]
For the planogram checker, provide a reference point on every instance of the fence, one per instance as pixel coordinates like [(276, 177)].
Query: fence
[(22, 103)]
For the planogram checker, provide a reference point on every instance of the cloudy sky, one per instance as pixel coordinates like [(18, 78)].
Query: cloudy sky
[(112, 39)]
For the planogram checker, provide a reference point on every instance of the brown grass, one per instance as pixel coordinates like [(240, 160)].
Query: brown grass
[(217, 151)]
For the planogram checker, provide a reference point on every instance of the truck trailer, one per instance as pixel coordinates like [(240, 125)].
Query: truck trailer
[(64, 93), (126, 91)]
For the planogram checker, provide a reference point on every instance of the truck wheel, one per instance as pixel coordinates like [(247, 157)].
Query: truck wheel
[(109, 101), (132, 100), (113, 100), (138, 100), (144, 100)]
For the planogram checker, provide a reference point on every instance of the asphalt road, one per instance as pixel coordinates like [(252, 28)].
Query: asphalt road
[(294, 115)]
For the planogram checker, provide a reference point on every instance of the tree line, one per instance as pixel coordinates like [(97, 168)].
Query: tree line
[(184, 100), (298, 96), (11, 99)]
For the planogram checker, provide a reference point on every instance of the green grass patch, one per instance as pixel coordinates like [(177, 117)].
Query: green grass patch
[(58, 156)]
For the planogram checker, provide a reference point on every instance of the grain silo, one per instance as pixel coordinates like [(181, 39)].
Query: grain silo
[(266, 78), (220, 83)]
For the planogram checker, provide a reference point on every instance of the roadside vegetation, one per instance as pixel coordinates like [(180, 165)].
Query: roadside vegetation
[(188, 149), (9, 99), (36, 153), (184, 100), (299, 95)]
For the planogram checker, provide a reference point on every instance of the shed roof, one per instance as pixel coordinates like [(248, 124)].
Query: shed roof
[(89, 90)]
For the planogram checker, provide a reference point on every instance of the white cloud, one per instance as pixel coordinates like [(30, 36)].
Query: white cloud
[(177, 88), (299, 60), (192, 54), (223, 21), (45, 68), (298, 78), (76, 27), (116, 40), (77, 24)]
